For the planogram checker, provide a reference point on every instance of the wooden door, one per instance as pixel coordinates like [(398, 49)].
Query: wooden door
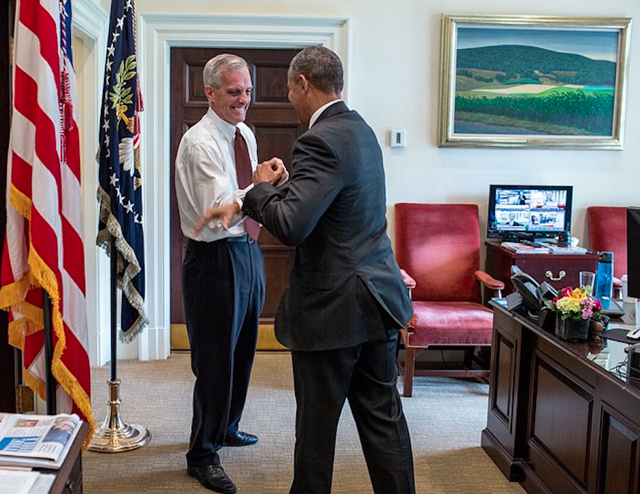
[(275, 124)]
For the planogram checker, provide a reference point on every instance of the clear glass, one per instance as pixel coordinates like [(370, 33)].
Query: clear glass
[(587, 279)]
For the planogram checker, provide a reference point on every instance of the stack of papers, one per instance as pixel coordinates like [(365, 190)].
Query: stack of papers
[(25, 482), (556, 249), (520, 248)]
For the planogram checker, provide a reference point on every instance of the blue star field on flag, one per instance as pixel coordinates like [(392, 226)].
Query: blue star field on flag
[(120, 189)]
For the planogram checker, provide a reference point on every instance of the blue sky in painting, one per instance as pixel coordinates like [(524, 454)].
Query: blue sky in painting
[(600, 45)]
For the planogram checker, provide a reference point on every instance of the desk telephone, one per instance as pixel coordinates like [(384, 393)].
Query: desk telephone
[(529, 294)]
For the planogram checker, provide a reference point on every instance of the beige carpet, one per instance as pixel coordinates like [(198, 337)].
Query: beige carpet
[(445, 418)]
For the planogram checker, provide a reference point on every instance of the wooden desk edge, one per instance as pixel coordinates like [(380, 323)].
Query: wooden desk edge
[(73, 455)]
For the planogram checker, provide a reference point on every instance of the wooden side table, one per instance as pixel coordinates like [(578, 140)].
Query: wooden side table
[(559, 270)]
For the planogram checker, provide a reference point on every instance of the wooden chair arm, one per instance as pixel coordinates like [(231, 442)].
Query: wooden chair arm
[(488, 281), (408, 280)]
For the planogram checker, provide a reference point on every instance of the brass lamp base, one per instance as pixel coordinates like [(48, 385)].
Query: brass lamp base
[(114, 435)]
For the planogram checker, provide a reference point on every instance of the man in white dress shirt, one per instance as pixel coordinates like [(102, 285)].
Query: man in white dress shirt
[(223, 270)]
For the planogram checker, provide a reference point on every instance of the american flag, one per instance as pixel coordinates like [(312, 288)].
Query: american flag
[(43, 248), (120, 189)]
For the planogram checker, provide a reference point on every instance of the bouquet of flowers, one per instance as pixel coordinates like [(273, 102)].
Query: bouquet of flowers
[(575, 303)]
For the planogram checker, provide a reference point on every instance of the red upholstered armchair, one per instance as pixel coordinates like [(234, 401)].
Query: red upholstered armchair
[(438, 246), (608, 232)]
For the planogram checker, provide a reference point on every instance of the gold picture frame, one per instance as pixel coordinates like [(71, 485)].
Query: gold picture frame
[(533, 81)]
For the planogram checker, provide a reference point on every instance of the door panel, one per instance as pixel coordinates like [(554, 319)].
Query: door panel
[(273, 140), (275, 124)]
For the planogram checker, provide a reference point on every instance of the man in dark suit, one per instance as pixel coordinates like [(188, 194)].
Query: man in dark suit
[(345, 299), (512, 220)]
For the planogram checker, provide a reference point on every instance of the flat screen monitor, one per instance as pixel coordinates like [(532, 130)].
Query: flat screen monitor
[(633, 252), (529, 211)]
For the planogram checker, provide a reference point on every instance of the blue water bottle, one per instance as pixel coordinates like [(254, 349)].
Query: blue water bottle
[(604, 275)]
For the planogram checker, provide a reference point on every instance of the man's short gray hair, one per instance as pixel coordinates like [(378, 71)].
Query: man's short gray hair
[(321, 67), (212, 73)]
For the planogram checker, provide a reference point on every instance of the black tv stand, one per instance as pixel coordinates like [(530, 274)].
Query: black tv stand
[(532, 237), (546, 240)]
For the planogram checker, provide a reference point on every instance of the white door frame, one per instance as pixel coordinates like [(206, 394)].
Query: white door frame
[(90, 25)]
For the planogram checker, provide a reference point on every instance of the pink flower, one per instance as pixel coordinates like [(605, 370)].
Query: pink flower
[(567, 292)]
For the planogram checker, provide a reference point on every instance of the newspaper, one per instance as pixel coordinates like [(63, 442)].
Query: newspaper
[(25, 482), (43, 484), (36, 440), (17, 482)]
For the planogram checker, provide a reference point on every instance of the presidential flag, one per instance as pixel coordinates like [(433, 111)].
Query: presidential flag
[(43, 248), (120, 189)]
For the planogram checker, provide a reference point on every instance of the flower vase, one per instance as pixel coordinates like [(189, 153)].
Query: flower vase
[(572, 329)]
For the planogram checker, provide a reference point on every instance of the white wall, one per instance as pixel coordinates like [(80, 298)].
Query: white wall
[(393, 68), (394, 79)]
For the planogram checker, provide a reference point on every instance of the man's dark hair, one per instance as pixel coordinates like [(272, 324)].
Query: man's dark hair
[(321, 67)]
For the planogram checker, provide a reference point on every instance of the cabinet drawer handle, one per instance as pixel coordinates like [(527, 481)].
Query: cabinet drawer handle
[(561, 275), (69, 487)]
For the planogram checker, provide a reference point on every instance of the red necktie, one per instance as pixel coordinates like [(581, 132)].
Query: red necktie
[(244, 173)]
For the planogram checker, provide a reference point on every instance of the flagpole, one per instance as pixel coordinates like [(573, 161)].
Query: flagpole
[(120, 224), (50, 382), (115, 435), (114, 310)]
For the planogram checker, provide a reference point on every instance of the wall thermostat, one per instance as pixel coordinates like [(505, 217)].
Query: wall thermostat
[(398, 138)]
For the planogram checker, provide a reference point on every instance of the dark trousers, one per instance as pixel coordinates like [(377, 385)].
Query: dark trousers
[(223, 290), (365, 375)]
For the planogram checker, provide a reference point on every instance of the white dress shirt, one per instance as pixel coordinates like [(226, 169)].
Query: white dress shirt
[(205, 175), (319, 111)]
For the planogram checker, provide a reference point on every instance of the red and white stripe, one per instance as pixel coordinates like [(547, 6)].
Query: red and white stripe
[(43, 247)]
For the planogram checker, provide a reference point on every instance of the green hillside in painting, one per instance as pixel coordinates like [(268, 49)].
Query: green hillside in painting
[(526, 61), (512, 89)]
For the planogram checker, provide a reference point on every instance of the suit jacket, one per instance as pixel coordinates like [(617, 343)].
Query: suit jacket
[(345, 287)]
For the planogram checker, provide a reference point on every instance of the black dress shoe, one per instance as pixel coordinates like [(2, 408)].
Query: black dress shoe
[(240, 439), (213, 478)]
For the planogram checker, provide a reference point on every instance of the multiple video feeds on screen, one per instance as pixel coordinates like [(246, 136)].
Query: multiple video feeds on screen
[(532, 210)]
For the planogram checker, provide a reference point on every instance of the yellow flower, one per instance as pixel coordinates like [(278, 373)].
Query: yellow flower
[(578, 293), (569, 304)]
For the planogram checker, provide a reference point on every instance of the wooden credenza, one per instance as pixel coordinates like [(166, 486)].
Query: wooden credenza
[(558, 422), (560, 270)]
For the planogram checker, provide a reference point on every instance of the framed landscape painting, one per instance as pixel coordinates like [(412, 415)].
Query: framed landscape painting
[(533, 81)]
